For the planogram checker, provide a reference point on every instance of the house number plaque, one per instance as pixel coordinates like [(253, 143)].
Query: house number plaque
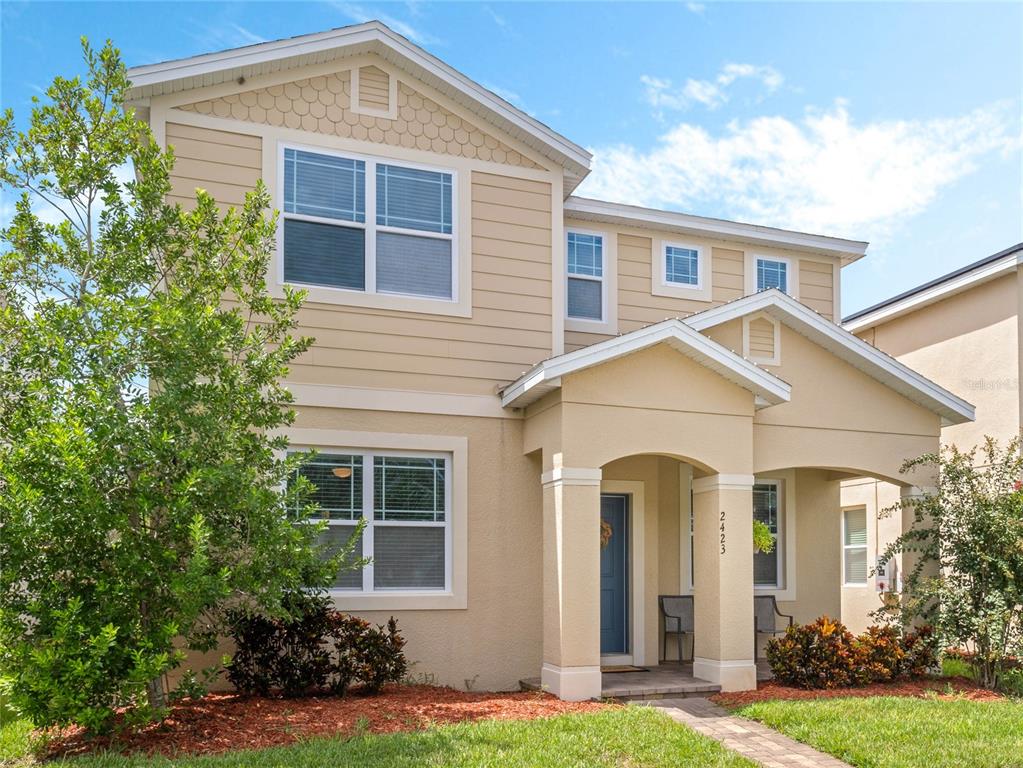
[(722, 532)]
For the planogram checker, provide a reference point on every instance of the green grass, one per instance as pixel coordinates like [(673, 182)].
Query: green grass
[(622, 737), (889, 732)]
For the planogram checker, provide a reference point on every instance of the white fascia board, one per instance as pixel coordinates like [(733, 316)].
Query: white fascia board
[(854, 350), (936, 293), (630, 215), (545, 376), (145, 77)]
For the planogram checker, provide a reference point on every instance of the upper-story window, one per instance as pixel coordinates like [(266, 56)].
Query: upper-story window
[(772, 273), (362, 225), (585, 276), (681, 265)]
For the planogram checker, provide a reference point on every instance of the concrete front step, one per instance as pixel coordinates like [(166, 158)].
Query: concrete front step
[(644, 692)]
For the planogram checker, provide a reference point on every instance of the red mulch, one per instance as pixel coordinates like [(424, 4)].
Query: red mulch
[(223, 722), (961, 687)]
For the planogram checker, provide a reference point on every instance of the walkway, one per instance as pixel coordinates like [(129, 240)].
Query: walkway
[(750, 739)]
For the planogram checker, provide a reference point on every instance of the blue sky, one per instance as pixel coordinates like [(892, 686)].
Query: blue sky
[(895, 123)]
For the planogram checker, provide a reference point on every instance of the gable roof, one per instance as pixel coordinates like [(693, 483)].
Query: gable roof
[(546, 376), (964, 278), (372, 37), (719, 229), (844, 345)]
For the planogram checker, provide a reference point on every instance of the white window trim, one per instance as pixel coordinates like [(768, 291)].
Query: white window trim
[(846, 547), (455, 451), (791, 269), (659, 285), (774, 359), (608, 324), (458, 304)]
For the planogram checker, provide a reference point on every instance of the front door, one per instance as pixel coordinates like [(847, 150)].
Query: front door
[(614, 574)]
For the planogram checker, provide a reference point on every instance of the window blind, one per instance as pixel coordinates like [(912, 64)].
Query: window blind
[(681, 265), (321, 254), (420, 266), (585, 298)]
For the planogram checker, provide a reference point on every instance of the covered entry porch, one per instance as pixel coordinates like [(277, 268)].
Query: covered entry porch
[(681, 442)]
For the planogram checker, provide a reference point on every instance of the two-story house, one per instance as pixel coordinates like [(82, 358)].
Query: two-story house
[(550, 410)]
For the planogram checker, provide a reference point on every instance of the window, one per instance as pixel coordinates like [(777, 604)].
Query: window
[(772, 273), (362, 225), (681, 265), (854, 546), (585, 255), (767, 565), (405, 500)]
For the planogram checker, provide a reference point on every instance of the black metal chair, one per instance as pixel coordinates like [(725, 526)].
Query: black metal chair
[(765, 615), (677, 613)]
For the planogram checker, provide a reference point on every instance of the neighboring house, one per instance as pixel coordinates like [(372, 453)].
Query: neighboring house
[(961, 331), (499, 365)]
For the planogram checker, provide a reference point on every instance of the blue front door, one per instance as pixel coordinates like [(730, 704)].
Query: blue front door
[(614, 579)]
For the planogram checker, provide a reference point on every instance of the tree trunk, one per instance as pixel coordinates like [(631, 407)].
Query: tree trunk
[(156, 694)]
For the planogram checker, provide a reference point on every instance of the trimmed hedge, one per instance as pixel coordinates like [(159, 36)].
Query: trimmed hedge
[(824, 654), (318, 649)]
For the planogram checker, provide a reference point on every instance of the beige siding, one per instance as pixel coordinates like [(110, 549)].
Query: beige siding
[(727, 271), (761, 337), (323, 105), (374, 88), (817, 286), (510, 327), (227, 165)]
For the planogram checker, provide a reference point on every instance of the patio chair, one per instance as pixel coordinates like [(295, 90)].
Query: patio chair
[(677, 612), (765, 615)]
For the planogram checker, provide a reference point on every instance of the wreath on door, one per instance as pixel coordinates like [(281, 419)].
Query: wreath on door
[(605, 533)]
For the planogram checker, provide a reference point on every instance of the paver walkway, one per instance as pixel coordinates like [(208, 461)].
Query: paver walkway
[(753, 740)]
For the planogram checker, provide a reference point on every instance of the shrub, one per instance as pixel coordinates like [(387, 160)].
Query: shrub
[(881, 654), (823, 654), (919, 649), (316, 648)]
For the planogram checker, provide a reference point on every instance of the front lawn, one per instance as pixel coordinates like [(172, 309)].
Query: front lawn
[(895, 732), (616, 736)]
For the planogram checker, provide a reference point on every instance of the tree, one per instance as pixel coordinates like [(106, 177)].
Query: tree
[(143, 475), (967, 544)]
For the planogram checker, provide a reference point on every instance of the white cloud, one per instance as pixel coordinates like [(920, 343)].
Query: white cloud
[(821, 173), (221, 35), (697, 8), (662, 94), (360, 14)]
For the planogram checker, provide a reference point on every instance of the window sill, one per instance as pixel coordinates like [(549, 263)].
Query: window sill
[(679, 291), (397, 601), (580, 325), (391, 301)]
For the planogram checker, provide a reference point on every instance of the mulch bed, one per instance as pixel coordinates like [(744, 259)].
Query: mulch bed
[(223, 722), (943, 687)]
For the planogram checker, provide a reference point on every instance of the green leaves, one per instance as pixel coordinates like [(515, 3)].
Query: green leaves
[(968, 540), (141, 359)]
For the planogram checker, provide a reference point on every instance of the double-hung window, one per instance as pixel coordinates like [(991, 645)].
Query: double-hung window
[(405, 499), (359, 224), (681, 266), (767, 565), (585, 256), (854, 546), (772, 273)]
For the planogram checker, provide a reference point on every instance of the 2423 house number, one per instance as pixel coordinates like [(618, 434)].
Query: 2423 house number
[(722, 532)]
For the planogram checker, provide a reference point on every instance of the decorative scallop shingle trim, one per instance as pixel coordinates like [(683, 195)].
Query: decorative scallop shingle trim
[(323, 105)]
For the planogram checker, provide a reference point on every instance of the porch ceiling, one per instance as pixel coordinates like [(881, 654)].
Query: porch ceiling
[(546, 376)]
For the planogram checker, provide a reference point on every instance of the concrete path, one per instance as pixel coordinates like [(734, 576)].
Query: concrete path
[(750, 739)]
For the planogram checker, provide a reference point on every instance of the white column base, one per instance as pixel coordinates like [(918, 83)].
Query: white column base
[(740, 675), (571, 683)]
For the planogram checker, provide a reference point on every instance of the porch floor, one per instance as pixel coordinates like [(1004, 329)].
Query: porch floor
[(670, 680)]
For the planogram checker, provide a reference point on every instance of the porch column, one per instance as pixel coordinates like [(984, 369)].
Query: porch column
[(723, 581), (571, 583)]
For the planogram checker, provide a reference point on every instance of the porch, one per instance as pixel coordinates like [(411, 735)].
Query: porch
[(664, 681)]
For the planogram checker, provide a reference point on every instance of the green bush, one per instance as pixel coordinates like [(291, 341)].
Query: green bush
[(316, 649), (920, 653)]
